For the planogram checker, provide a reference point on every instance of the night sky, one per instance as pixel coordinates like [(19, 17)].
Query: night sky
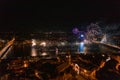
[(28, 15)]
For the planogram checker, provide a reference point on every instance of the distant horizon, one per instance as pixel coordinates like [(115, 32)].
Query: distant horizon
[(58, 27)]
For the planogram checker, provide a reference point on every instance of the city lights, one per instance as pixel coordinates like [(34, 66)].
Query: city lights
[(43, 44), (62, 43), (54, 53), (33, 52), (44, 54), (33, 42), (25, 64), (60, 40), (108, 59)]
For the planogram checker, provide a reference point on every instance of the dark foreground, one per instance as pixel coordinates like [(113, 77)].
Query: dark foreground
[(61, 67)]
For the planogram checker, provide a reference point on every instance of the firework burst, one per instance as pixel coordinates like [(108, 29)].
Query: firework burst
[(93, 30)]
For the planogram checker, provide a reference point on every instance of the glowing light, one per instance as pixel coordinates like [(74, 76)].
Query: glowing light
[(82, 43), (85, 71), (43, 44), (103, 55), (75, 31), (33, 53), (81, 35), (108, 59), (25, 65), (81, 47), (62, 43), (76, 68), (44, 54), (104, 39), (93, 30), (33, 42)]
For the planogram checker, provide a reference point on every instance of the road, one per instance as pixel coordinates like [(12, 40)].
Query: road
[(8, 47)]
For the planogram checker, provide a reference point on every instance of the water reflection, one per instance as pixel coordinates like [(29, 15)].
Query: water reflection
[(81, 47), (33, 52)]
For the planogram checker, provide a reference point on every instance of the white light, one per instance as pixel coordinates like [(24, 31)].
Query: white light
[(81, 35), (43, 44), (82, 43), (104, 39), (108, 59), (44, 54), (103, 55), (33, 42), (62, 43)]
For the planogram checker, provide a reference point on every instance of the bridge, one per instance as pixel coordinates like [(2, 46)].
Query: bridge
[(107, 45), (7, 49)]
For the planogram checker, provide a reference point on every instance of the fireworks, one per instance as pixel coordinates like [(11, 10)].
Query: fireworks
[(75, 31), (93, 30)]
